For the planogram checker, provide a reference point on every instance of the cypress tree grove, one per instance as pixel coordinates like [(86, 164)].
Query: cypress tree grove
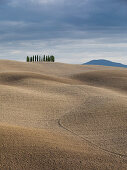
[(40, 59)]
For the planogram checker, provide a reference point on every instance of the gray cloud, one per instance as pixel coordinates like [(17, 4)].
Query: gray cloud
[(45, 21)]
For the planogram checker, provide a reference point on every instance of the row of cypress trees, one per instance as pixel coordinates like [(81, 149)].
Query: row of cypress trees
[(40, 59)]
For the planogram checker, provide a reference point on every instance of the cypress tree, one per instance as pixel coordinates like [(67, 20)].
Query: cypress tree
[(44, 58), (39, 58), (52, 58), (35, 58), (27, 59), (48, 58), (31, 59)]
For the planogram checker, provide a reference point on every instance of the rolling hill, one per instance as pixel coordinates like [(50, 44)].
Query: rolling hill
[(62, 116)]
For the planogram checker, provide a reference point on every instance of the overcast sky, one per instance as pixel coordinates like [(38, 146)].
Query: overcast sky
[(75, 31)]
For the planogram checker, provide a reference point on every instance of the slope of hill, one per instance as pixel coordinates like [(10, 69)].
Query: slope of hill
[(105, 63), (62, 116)]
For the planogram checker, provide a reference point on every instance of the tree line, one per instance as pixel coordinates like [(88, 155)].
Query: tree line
[(37, 58)]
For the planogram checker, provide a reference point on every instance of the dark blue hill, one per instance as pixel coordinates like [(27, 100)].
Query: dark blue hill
[(105, 63)]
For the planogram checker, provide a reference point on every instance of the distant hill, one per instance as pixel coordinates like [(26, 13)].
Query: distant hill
[(105, 63)]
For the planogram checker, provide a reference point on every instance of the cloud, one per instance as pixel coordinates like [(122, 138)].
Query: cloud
[(79, 22), (16, 3), (70, 51)]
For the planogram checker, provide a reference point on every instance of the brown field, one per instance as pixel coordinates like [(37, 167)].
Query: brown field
[(56, 116)]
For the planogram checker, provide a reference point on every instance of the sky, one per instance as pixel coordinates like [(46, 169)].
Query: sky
[(74, 31)]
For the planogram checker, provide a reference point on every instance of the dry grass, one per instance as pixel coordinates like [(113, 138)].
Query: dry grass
[(61, 116)]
